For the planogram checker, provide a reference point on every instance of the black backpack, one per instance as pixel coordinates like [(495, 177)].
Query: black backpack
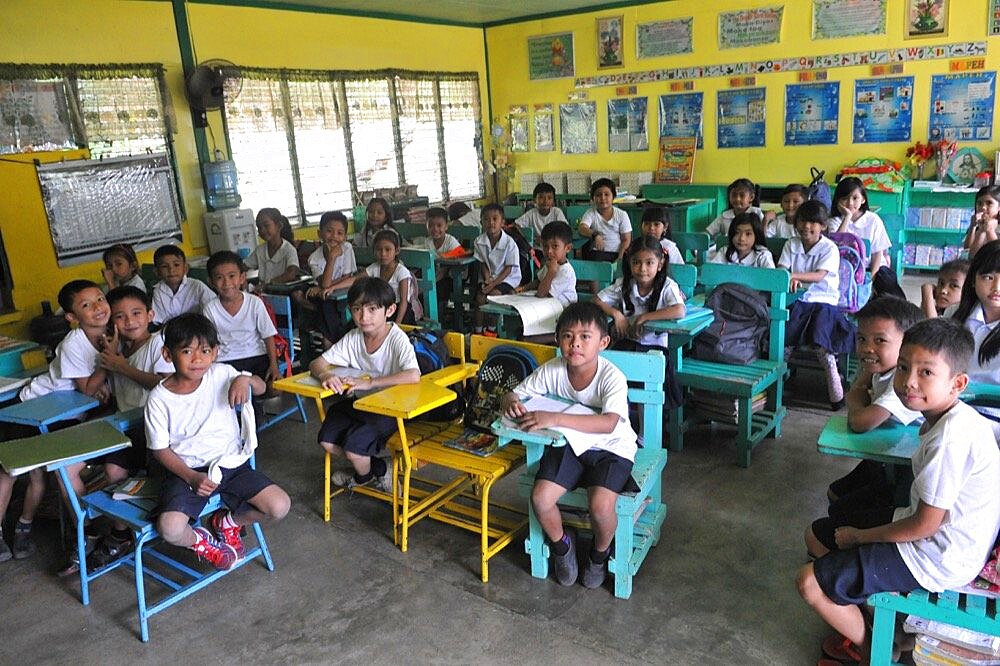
[(504, 367), (432, 354), (739, 328), (525, 253)]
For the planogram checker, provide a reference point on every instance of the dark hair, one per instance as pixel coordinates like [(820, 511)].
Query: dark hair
[(992, 191), (844, 189), (457, 210), (69, 291), (795, 188), (224, 257), (902, 312), (165, 251), (987, 260), (128, 291), (642, 244), (272, 214), (585, 313), (603, 182), (438, 213), (371, 291), (759, 237), (186, 328), (955, 266), (658, 214), (286, 229), (812, 211), (943, 336), (123, 250), (557, 229), (333, 216), (742, 184), (490, 207), (367, 231), (543, 188), (389, 235)]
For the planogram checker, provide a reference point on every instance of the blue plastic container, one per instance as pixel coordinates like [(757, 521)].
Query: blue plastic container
[(221, 185)]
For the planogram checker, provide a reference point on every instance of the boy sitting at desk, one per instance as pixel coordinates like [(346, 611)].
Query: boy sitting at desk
[(556, 278), (74, 367), (176, 293), (941, 540), (544, 213), (602, 462), (499, 261), (193, 432), (373, 355)]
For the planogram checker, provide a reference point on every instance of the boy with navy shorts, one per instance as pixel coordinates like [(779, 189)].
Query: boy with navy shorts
[(603, 465), (192, 430), (941, 540), (375, 354)]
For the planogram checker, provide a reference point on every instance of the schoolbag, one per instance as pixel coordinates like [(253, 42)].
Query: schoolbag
[(432, 354), (525, 253), (819, 189), (742, 319), (504, 367), (853, 261)]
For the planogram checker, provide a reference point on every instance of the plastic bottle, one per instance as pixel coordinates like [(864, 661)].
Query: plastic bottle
[(221, 184)]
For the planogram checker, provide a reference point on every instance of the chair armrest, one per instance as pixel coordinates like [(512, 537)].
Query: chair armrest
[(406, 401), (451, 374)]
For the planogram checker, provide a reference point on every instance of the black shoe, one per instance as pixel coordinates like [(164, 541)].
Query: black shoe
[(837, 406), (107, 551), (593, 574), (565, 565)]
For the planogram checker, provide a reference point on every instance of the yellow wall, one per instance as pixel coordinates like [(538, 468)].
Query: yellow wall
[(105, 31), (774, 163)]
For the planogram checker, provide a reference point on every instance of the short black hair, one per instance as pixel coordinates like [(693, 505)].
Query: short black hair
[(955, 266), (795, 188), (846, 187), (224, 257), (69, 291), (558, 229), (437, 212), (165, 251), (371, 291), (128, 291), (603, 182), (904, 313), (457, 210), (186, 328), (332, 216), (946, 337), (388, 235), (585, 313), (490, 207), (812, 211), (543, 188)]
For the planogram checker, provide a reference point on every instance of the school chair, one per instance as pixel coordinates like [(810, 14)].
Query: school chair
[(600, 272), (511, 213), (574, 214), (149, 276), (775, 245), (895, 227), (693, 245), (420, 262), (464, 499), (742, 383), (282, 308), (408, 231), (465, 235), (640, 515)]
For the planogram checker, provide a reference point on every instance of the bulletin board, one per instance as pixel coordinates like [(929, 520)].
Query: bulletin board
[(812, 113), (962, 106)]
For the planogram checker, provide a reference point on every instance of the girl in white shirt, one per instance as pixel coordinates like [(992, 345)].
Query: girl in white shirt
[(747, 244), (741, 195), (656, 223), (979, 311), (850, 200), (121, 267), (783, 226), (388, 267), (608, 227), (984, 221)]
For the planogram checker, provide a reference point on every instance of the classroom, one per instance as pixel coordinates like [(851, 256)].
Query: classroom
[(329, 104)]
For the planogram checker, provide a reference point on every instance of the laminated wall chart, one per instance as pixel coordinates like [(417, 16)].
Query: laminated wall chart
[(680, 116), (883, 109), (811, 113), (962, 106), (741, 120)]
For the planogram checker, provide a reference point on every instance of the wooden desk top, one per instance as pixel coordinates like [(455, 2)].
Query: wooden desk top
[(892, 443), (46, 409)]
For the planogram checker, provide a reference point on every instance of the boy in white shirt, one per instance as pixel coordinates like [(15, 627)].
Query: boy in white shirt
[(176, 293), (333, 260), (556, 278), (442, 244), (499, 261), (580, 375), (376, 354), (608, 227), (943, 538), (544, 212), (193, 432)]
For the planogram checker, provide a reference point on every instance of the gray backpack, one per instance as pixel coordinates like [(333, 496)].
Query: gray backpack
[(739, 328)]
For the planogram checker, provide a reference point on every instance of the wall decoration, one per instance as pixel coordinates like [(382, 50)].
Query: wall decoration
[(610, 52), (993, 19), (676, 160), (578, 128), (627, 124), (883, 110), (847, 18), (741, 118), (551, 56), (519, 131), (544, 135), (680, 116), (750, 27), (660, 38), (926, 18), (790, 64), (962, 106), (812, 112)]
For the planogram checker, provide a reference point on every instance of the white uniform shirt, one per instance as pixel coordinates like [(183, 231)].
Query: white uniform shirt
[(401, 274), (448, 244), (200, 427), (394, 355), (563, 284), (669, 295), (759, 257), (956, 468), (498, 257), (883, 395), (823, 256), (75, 358), (191, 296), (137, 282), (269, 267), (780, 227), (673, 252), (720, 225), (147, 358), (343, 265), (990, 372), (611, 230), (534, 220), (241, 335), (869, 226), (607, 393), (471, 219)]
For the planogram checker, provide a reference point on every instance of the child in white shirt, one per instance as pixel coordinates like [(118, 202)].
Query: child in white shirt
[(333, 260), (388, 267), (656, 223), (979, 311), (783, 226), (499, 261), (176, 293), (276, 260), (556, 278), (747, 244), (545, 211), (121, 267), (608, 227), (851, 201), (740, 194)]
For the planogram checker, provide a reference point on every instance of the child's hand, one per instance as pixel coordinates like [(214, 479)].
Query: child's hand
[(847, 537), (598, 242), (770, 216), (337, 384), (513, 409), (239, 391), (273, 374), (333, 250), (357, 384), (112, 359), (313, 292), (794, 285), (621, 323), (103, 394), (202, 485), (928, 292), (535, 420), (109, 277)]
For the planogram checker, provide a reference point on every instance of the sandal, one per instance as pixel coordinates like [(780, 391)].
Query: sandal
[(841, 649)]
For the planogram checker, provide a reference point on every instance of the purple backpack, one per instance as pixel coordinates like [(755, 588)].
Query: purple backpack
[(853, 261)]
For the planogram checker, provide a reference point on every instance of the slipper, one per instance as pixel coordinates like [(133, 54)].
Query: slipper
[(841, 649)]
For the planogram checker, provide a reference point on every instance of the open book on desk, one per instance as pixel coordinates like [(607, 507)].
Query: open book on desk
[(538, 315), (578, 441), (309, 380)]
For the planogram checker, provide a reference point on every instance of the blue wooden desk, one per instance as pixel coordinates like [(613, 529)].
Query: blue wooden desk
[(45, 410), (889, 443), (458, 273)]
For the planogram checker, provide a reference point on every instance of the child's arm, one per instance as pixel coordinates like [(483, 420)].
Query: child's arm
[(799, 279), (242, 386), (272, 358), (492, 284), (544, 285), (927, 298), (862, 415), (411, 376), (94, 385), (113, 361), (600, 424), (878, 259), (623, 248), (924, 523), (326, 277), (199, 481), (343, 283), (982, 231), (404, 299), (675, 311), (621, 323)]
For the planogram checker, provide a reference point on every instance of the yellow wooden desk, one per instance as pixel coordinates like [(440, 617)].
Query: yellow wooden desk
[(307, 386)]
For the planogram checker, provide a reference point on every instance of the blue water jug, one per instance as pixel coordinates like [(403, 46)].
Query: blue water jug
[(221, 185)]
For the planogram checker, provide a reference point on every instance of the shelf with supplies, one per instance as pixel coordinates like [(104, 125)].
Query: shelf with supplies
[(936, 220)]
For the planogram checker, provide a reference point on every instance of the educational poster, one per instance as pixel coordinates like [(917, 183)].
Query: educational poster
[(544, 135), (741, 118), (962, 106), (627, 124), (750, 27), (661, 38), (927, 18), (883, 109), (993, 19), (610, 52), (847, 18), (680, 116), (811, 113), (578, 128), (675, 163), (551, 56), (519, 129)]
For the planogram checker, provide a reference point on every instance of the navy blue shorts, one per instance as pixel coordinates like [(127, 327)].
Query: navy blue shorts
[(256, 365), (593, 467), (352, 430), (849, 577), (237, 487), (859, 509), (132, 458)]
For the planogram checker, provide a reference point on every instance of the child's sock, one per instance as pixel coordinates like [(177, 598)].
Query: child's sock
[(561, 546), (229, 521), (600, 556), (833, 385)]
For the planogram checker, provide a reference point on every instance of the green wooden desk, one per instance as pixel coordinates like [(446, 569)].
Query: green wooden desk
[(889, 443), (458, 273)]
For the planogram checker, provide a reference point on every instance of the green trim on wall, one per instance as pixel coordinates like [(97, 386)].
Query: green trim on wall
[(489, 85), (311, 9), (618, 4)]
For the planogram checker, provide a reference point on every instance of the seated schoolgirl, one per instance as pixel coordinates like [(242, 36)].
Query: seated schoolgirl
[(607, 226), (656, 223), (740, 194), (747, 245), (388, 267), (850, 201), (783, 225)]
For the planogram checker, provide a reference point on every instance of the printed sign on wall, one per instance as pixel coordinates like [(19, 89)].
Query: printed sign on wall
[(883, 109), (741, 118), (680, 116), (962, 106), (811, 113)]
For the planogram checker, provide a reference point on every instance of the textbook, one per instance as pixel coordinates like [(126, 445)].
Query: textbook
[(578, 441), (474, 442), (137, 488)]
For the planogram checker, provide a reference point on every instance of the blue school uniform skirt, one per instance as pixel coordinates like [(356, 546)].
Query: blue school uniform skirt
[(819, 325)]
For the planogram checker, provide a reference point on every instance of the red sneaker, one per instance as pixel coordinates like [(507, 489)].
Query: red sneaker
[(228, 535), (219, 555)]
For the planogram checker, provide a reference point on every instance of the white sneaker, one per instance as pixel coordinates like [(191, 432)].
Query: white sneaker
[(343, 477)]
